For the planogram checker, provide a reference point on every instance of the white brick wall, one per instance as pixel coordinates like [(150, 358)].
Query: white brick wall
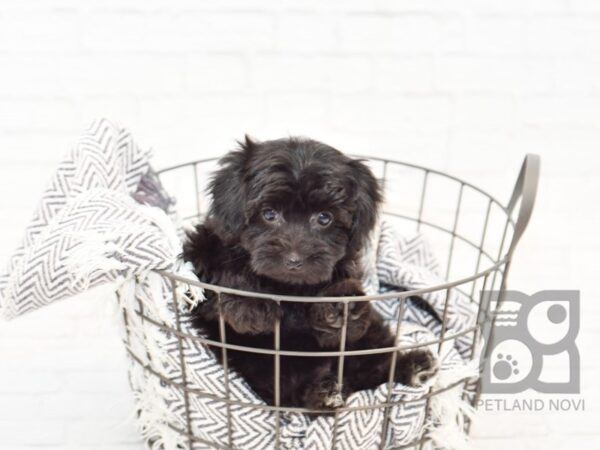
[(464, 86)]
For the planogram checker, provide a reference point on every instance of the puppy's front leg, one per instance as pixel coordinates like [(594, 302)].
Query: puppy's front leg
[(248, 315)]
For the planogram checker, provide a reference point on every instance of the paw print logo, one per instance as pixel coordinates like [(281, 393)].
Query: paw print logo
[(529, 332), (510, 363), (505, 367)]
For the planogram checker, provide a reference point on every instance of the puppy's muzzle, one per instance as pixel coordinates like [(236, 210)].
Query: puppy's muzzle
[(293, 261)]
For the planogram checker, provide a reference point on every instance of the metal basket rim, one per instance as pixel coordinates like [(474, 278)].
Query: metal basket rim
[(372, 158)]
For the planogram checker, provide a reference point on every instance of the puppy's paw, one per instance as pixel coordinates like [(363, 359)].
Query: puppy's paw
[(250, 315), (345, 288), (327, 319), (326, 394), (417, 367)]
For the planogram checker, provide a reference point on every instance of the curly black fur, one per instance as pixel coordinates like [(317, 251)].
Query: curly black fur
[(290, 217)]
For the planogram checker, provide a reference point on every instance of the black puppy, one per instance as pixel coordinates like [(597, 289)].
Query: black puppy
[(290, 217)]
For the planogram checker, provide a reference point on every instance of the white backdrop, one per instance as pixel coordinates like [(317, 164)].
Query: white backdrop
[(465, 86)]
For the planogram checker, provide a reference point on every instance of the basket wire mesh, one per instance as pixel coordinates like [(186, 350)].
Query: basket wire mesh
[(488, 275)]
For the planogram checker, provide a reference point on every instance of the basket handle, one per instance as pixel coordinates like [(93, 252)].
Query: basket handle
[(525, 189)]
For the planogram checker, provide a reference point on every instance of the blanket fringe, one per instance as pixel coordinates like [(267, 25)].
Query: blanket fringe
[(93, 254), (448, 410)]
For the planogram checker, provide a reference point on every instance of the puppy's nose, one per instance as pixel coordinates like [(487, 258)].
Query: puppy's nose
[(293, 261)]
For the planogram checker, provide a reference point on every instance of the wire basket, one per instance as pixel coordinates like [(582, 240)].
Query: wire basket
[(473, 232)]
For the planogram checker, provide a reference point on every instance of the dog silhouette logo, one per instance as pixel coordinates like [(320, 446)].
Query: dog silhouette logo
[(533, 343)]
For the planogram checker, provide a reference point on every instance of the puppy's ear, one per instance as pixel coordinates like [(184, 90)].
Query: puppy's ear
[(367, 200), (228, 190)]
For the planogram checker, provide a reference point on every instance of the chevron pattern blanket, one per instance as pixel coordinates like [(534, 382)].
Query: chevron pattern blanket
[(105, 218)]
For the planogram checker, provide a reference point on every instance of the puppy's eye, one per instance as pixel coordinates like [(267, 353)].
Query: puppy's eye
[(324, 218), (269, 214)]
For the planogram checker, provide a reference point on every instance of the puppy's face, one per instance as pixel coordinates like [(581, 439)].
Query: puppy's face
[(297, 207)]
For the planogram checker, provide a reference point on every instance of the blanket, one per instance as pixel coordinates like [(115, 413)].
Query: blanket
[(104, 217)]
